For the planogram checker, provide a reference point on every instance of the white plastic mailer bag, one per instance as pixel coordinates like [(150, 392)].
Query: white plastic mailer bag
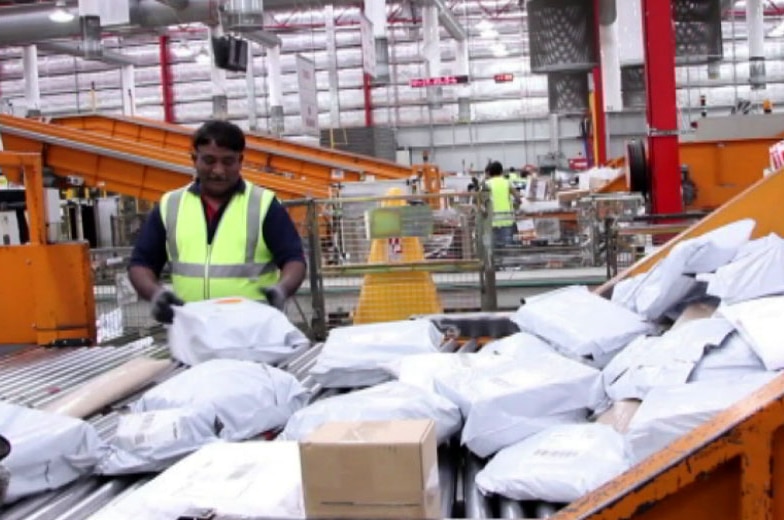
[(356, 356), (759, 322), (733, 358), (386, 402), (505, 405), (237, 480), (48, 450), (559, 464), (152, 441), (232, 328), (420, 370), (661, 361), (625, 292), (756, 273), (672, 411), (667, 283), (246, 398), (580, 323), (516, 345)]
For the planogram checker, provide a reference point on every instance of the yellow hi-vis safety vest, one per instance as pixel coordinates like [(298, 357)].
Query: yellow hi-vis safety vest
[(238, 263), (501, 196)]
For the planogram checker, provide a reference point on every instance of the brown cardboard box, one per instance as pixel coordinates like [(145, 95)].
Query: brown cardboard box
[(695, 311), (620, 414), (372, 469)]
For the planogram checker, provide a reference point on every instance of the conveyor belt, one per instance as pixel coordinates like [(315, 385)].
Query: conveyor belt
[(36, 376)]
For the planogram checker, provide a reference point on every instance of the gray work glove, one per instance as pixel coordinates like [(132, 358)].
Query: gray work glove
[(275, 296), (162, 303)]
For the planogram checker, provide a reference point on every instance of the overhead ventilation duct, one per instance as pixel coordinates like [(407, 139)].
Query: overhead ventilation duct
[(567, 92), (31, 23), (244, 15), (697, 31), (561, 35)]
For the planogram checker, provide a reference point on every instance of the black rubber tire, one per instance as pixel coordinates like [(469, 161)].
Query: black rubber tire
[(639, 175)]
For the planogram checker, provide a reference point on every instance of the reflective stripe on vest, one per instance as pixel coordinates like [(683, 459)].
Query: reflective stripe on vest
[(220, 269), (501, 194)]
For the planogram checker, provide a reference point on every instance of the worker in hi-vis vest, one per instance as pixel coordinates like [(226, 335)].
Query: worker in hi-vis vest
[(504, 198), (222, 235)]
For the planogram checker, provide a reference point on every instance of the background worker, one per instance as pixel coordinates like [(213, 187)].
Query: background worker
[(222, 235), (504, 198)]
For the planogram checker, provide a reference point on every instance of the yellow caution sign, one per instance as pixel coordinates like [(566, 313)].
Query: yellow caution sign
[(396, 295)]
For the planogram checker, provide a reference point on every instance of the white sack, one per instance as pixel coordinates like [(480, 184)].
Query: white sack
[(515, 345), (756, 273), (356, 356), (247, 480), (48, 450), (247, 398), (420, 370), (579, 322), (559, 464), (516, 400), (670, 412), (759, 322), (625, 292), (733, 358), (666, 284), (232, 328), (386, 402), (152, 441), (661, 361)]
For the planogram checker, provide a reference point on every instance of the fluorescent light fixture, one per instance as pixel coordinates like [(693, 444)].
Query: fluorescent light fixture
[(499, 50), (60, 15)]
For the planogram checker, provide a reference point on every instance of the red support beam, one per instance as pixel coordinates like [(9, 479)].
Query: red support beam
[(662, 110), (167, 83), (599, 115), (367, 85)]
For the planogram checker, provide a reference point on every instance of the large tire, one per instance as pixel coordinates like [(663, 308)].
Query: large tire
[(639, 175)]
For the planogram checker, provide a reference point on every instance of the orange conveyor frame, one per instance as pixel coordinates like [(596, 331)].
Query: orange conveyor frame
[(731, 467)]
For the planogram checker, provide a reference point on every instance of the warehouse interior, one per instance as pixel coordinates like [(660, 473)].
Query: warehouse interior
[(542, 248)]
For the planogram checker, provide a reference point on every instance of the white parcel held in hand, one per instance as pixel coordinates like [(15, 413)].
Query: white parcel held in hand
[(386, 402), (559, 464), (47, 450), (356, 356), (247, 480), (232, 328)]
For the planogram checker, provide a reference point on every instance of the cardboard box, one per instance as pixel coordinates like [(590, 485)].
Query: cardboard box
[(371, 469), (695, 311), (620, 414)]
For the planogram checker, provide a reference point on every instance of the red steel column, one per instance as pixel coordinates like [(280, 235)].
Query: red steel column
[(662, 110), (600, 116), (167, 87), (367, 83)]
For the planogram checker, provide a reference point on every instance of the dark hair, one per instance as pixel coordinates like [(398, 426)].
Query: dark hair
[(495, 168), (222, 133)]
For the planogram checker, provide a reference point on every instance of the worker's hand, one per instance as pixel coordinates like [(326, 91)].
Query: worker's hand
[(162, 303), (275, 296)]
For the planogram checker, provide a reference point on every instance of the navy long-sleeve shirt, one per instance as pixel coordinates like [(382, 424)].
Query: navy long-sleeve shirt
[(278, 230)]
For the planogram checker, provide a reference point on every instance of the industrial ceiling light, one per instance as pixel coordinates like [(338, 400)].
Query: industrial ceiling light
[(60, 14)]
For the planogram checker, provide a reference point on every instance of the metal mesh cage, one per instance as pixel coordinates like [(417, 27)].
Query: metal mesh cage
[(561, 35), (633, 86), (567, 92), (697, 31)]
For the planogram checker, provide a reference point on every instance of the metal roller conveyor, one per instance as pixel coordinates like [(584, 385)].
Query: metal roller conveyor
[(96, 500), (447, 477), (545, 510), (510, 508), (64, 500), (307, 357), (450, 345), (476, 504)]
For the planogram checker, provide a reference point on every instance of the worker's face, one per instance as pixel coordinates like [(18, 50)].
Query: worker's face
[(217, 168)]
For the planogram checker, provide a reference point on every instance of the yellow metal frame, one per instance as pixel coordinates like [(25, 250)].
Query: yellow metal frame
[(47, 288)]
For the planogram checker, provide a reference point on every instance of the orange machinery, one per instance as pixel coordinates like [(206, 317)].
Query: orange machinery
[(47, 289), (720, 169), (731, 467)]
